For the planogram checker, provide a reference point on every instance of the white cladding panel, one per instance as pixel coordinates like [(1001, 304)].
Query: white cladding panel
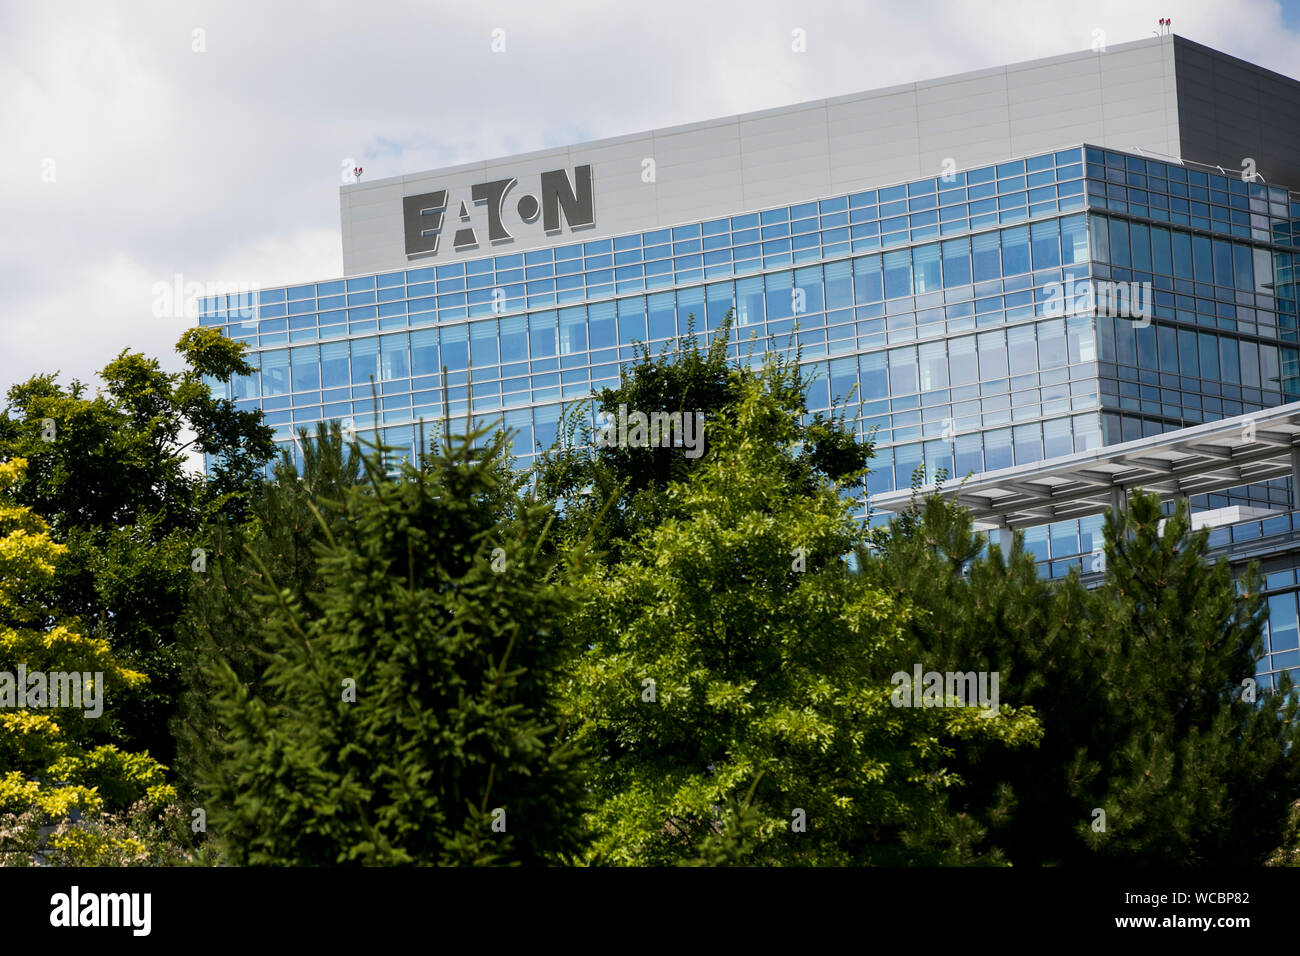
[(1124, 98)]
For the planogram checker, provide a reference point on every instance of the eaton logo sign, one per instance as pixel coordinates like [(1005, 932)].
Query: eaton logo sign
[(482, 216)]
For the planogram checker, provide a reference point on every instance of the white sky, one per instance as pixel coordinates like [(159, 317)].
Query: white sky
[(224, 166)]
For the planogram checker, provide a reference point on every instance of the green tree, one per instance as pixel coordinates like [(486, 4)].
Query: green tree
[(1138, 683), (733, 693), (405, 712), (110, 473), (612, 493), (287, 520)]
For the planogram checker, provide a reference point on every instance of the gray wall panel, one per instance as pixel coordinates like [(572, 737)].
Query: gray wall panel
[(1124, 97)]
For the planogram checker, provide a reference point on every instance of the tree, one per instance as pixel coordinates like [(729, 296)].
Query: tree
[(405, 712), (58, 695), (611, 493), (1139, 685), (110, 474), (732, 692), (287, 520)]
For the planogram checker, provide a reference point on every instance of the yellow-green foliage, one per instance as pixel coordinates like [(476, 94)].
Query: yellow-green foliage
[(53, 764)]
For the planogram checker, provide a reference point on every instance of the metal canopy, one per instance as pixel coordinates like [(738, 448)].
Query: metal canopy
[(1191, 461)]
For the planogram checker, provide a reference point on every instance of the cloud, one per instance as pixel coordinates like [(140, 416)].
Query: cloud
[(224, 165)]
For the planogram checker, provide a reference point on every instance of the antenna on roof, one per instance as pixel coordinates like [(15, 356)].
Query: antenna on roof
[(1166, 26), (357, 171)]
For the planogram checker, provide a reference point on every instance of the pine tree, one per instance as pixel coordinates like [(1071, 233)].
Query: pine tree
[(405, 713), (287, 519), (1151, 753)]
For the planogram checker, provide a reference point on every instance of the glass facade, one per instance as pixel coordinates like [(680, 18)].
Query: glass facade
[(926, 306)]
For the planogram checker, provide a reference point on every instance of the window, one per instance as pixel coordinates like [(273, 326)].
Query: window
[(334, 364), (934, 366), (424, 350), (1028, 441), (875, 378), (1045, 244), (997, 449), (1099, 231), (1081, 339), (275, 372), (1021, 350), (542, 335), (1161, 261), (1119, 244), (1282, 631), (993, 355), (1074, 240), (778, 295), (662, 319), (1015, 250), (902, 370), (1182, 244), (839, 285), (956, 262), (514, 339), (395, 353), (631, 321), (1051, 344), (1209, 356), (962, 367), (867, 286), (1203, 259), (898, 273), (968, 455), (454, 345), (573, 326), (808, 290), (365, 360), (483, 344), (985, 257), (749, 300), (1167, 341), (1187, 360), (306, 367), (1249, 353), (926, 268)]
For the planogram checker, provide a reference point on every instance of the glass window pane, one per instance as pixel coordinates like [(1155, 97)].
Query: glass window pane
[(395, 352), (875, 378), (306, 367), (334, 364), (925, 268), (993, 355), (542, 334), (514, 339), (902, 370), (956, 262), (1051, 344), (867, 284), (1015, 250), (933, 359), (986, 261), (424, 350), (1022, 350), (898, 273), (275, 372), (962, 366)]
